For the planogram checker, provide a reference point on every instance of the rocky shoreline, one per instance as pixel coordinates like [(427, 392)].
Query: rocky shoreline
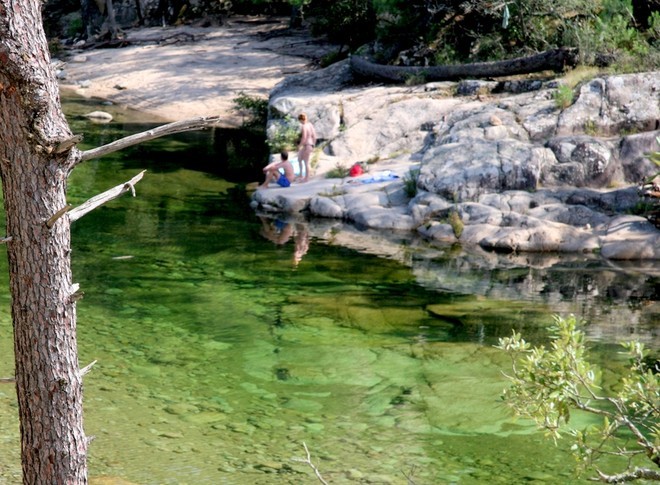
[(483, 164), (493, 165)]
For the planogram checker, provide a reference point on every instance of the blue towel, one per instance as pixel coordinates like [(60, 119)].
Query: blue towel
[(383, 176)]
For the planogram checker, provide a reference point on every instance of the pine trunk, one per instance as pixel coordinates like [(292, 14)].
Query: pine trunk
[(34, 178)]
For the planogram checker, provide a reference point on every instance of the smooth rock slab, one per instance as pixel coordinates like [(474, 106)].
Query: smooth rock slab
[(521, 173), (631, 237)]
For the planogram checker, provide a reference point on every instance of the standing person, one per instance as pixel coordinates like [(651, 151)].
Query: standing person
[(280, 172), (306, 144)]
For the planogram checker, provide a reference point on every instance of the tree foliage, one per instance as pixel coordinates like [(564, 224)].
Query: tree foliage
[(254, 108), (476, 30), (283, 134), (548, 384), (428, 32), (346, 22), (451, 31)]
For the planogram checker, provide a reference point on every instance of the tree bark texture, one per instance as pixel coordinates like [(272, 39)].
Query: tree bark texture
[(554, 60), (34, 178)]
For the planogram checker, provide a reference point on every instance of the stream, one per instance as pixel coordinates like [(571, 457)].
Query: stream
[(227, 343)]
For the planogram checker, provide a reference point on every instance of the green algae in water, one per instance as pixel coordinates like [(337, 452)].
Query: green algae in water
[(217, 360), (216, 381)]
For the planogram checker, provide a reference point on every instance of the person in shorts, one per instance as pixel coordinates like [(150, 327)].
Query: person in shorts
[(279, 172)]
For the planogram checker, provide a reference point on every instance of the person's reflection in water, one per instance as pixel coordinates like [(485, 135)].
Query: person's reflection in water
[(276, 230), (279, 232), (301, 240)]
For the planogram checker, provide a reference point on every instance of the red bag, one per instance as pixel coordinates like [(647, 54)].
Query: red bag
[(356, 170)]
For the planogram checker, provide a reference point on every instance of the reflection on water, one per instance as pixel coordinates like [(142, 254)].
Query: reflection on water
[(225, 341), (280, 231)]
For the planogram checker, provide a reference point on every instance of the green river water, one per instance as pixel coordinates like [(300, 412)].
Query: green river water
[(218, 358)]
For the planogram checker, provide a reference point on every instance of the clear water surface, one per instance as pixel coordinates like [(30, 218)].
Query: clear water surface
[(219, 359)]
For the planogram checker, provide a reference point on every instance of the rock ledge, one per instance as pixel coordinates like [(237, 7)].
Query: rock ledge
[(508, 172)]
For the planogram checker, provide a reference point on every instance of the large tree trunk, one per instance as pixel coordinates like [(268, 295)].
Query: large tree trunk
[(555, 60), (34, 175), (37, 154)]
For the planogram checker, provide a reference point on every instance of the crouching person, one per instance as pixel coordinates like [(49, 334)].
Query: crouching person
[(280, 172)]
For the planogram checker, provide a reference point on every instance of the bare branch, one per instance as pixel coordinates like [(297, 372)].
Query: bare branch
[(643, 441), (164, 130), (75, 293), (7, 380), (308, 461), (87, 368), (409, 475), (66, 145), (601, 412), (636, 474), (53, 219), (100, 199)]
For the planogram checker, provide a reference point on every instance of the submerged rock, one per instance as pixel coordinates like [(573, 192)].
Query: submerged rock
[(99, 116)]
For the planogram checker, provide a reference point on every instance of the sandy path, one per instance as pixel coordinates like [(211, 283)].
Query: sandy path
[(183, 72)]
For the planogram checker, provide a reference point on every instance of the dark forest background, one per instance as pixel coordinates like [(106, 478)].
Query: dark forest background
[(623, 34)]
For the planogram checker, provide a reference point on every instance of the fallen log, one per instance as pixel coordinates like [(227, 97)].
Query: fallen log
[(553, 60)]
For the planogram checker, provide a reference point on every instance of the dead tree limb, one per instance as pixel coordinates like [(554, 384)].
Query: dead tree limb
[(308, 461), (636, 474), (105, 197), (552, 60), (164, 130), (85, 370)]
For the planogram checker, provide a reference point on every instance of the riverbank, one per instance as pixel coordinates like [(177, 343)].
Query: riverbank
[(180, 72), (497, 165), (516, 173)]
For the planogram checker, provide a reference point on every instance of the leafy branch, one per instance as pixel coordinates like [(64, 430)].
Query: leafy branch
[(548, 383)]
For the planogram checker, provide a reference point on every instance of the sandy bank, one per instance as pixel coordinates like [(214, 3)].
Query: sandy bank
[(182, 72)]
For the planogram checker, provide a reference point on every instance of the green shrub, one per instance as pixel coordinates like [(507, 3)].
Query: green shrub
[(548, 384), (410, 182), (445, 55), (332, 57), (54, 47), (590, 127), (283, 134), (563, 97), (75, 27), (254, 107), (338, 172), (653, 32), (345, 22), (456, 224), (650, 204), (655, 157), (415, 79), (604, 31)]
